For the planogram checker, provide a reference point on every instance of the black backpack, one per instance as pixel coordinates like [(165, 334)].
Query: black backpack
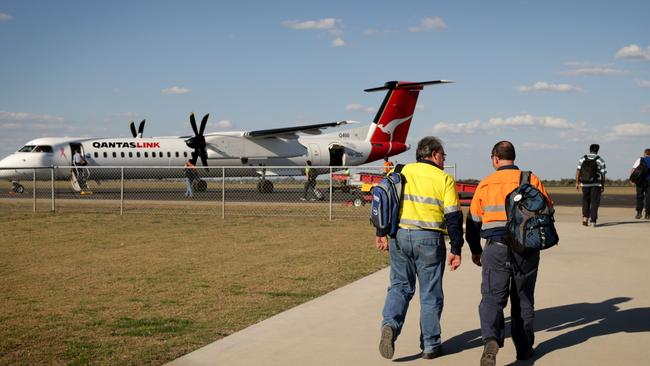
[(639, 173), (531, 225), (588, 170)]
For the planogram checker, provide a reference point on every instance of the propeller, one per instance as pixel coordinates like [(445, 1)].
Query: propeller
[(140, 129), (197, 142)]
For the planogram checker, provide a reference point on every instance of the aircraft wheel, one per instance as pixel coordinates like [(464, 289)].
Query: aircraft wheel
[(358, 202), (18, 188), (265, 186), (200, 185)]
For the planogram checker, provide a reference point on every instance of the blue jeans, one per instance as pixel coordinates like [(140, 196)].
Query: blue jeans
[(188, 191), (418, 253)]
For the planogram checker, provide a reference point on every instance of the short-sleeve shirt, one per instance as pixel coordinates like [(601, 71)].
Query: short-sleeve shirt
[(602, 170)]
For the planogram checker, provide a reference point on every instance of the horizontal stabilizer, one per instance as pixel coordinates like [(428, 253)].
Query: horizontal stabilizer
[(391, 85)]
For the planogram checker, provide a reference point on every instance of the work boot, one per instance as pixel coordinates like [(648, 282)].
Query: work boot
[(585, 221), (526, 355), (638, 215), (387, 342), (437, 352), (647, 216), (592, 223), (489, 357)]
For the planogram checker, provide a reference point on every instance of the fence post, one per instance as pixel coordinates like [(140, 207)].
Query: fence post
[(223, 192), (331, 190), (122, 192), (34, 188), (52, 181)]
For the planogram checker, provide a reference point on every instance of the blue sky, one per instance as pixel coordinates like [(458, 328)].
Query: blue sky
[(550, 76)]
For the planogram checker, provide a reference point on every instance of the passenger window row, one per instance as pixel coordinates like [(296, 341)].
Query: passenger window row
[(137, 154)]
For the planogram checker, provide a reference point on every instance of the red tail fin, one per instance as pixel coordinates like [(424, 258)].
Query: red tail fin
[(391, 124)]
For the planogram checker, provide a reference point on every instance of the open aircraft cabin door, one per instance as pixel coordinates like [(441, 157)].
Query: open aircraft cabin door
[(79, 174), (337, 153)]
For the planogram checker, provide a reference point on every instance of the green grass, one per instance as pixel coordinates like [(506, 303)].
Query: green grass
[(97, 288)]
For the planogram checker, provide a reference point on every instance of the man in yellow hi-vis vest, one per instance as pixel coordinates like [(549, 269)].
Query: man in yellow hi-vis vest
[(429, 210)]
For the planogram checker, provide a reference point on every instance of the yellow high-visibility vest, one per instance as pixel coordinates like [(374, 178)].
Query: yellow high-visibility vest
[(429, 194)]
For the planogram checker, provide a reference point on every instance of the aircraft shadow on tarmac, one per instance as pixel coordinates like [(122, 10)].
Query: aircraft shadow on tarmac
[(585, 321)]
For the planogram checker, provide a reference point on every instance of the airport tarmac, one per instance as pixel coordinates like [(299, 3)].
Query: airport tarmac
[(592, 308)]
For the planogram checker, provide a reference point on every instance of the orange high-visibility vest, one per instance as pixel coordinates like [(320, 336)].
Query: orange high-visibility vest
[(488, 204)]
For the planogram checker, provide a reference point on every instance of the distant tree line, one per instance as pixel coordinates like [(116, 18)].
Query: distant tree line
[(565, 182)]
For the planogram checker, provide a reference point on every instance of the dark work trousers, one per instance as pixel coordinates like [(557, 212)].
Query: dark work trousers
[(591, 202), (643, 197), (506, 275)]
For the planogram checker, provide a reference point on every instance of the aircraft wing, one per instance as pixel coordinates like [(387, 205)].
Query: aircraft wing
[(309, 129)]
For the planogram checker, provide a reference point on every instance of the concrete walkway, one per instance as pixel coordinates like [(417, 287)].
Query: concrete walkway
[(592, 308)]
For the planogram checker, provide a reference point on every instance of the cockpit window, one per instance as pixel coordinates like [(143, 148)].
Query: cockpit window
[(43, 149), (27, 148)]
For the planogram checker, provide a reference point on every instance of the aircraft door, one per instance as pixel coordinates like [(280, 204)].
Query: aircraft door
[(74, 146), (336, 155)]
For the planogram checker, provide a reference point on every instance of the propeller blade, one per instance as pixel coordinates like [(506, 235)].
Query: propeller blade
[(204, 121), (133, 132), (141, 128), (194, 156), (204, 158), (193, 123)]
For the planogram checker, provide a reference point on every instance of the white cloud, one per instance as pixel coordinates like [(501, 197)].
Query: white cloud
[(175, 90), (634, 52), (428, 24), (539, 146), (223, 124), (643, 83), (630, 130), (338, 42), (327, 23), (546, 87), (359, 108), (458, 128), (6, 116), (333, 27), (594, 71), (5, 17), (498, 123)]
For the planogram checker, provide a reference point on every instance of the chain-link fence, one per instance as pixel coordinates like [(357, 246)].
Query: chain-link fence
[(333, 192)]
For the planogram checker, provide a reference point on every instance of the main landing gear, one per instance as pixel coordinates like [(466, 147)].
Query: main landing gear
[(17, 187)]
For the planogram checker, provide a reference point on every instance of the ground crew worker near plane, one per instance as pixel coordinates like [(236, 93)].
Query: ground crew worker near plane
[(504, 271), (429, 210)]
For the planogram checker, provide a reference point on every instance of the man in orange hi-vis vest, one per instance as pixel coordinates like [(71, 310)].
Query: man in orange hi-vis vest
[(388, 165), (504, 272)]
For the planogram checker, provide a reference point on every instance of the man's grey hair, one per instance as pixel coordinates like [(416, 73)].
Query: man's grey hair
[(427, 146)]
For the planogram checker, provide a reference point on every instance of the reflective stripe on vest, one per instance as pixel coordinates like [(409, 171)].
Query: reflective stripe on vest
[(429, 194)]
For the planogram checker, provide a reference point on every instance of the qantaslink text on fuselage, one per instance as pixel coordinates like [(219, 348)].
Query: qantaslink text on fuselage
[(127, 145)]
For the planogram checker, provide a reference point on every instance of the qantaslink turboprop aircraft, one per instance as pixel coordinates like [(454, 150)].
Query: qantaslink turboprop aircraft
[(273, 148)]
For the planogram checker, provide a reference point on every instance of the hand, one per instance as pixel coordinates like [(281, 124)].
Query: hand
[(381, 242), (602, 189), (577, 186), (476, 258), (453, 261)]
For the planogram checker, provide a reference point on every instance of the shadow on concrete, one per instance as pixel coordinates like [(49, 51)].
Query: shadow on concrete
[(623, 223), (586, 320)]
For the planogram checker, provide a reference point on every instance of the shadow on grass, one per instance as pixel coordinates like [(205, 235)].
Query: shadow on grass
[(583, 320)]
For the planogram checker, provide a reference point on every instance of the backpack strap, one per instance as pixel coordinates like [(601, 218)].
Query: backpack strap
[(399, 167), (524, 178)]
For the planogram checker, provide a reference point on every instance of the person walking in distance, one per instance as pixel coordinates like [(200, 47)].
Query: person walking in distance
[(310, 185), (388, 165), (429, 210), (190, 174), (590, 176), (505, 273), (642, 185)]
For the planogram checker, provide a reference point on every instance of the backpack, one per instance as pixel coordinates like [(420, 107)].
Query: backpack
[(639, 173), (530, 225), (588, 170), (386, 201)]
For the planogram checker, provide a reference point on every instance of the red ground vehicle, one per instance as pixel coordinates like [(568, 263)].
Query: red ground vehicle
[(360, 184)]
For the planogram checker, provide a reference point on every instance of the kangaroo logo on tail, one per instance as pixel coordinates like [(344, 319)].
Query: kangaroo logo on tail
[(390, 127)]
